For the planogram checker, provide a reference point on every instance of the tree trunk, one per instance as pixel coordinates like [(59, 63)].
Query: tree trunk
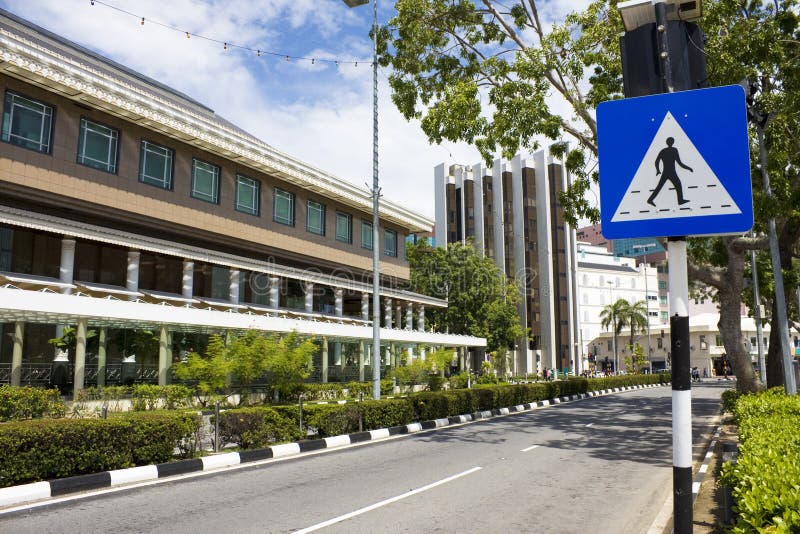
[(730, 320)]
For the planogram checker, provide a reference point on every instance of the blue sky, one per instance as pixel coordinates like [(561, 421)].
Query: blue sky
[(320, 113)]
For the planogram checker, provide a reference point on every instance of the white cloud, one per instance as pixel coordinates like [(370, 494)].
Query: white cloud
[(319, 114)]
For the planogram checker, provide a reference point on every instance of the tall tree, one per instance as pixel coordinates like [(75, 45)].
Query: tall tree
[(634, 316), (481, 301), (496, 75), (613, 316)]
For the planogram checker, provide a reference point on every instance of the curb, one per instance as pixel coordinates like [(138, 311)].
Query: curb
[(36, 491)]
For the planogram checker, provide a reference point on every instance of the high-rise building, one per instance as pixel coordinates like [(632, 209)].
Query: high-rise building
[(511, 213)]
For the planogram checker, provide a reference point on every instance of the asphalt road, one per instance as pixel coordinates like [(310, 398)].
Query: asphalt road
[(597, 465)]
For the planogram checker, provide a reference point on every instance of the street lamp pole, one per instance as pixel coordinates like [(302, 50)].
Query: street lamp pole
[(613, 326), (376, 274), (647, 300)]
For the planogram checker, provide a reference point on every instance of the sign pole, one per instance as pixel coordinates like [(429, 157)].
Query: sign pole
[(678, 279)]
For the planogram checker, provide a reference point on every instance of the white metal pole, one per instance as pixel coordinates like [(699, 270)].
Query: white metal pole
[(762, 366)]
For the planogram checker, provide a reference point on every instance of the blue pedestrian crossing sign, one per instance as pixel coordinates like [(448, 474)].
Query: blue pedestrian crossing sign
[(675, 164)]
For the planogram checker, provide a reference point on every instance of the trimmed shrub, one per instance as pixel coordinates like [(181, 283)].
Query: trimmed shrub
[(152, 397), (252, 428), (386, 413), (327, 391), (729, 398), (24, 402), (765, 480), (45, 449), (155, 435)]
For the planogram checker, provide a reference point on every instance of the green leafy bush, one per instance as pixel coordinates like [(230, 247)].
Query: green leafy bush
[(152, 397), (765, 480), (386, 413), (256, 427), (322, 392), (155, 435), (24, 402), (54, 448), (729, 398)]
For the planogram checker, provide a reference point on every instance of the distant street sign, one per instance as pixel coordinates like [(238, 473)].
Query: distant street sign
[(675, 164)]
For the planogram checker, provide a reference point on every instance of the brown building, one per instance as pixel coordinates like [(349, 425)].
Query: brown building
[(126, 205)]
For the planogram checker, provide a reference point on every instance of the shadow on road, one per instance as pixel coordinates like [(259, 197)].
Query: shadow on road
[(627, 427)]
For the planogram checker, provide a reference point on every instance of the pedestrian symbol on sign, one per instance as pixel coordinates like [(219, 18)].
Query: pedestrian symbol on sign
[(669, 157), (671, 148)]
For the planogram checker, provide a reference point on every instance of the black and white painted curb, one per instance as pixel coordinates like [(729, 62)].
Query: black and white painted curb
[(36, 491), (701, 472)]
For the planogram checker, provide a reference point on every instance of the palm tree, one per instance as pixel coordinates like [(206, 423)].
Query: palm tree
[(635, 316), (612, 315)]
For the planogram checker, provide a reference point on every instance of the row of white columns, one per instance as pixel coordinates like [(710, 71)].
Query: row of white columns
[(66, 276)]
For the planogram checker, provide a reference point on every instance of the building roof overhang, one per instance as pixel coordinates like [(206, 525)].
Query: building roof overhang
[(41, 58), (18, 305)]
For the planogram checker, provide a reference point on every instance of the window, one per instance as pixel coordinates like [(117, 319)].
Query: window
[(718, 340), (97, 146), (390, 243), (27, 123), (155, 165), (205, 181), (283, 207), (247, 195), (366, 235), (662, 284), (344, 227), (660, 342), (663, 300), (315, 218)]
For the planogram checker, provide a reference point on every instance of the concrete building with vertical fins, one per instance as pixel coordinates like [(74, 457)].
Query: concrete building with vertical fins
[(512, 215)]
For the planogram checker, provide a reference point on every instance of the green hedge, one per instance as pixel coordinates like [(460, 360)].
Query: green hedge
[(256, 427), (766, 478), (17, 403), (53, 448)]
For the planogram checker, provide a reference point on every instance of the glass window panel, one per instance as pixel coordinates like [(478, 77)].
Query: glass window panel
[(205, 181), (156, 165), (315, 219), (366, 235), (247, 195), (283, 207), (344, 231), (27, 123), (97, 146), (390, 243)]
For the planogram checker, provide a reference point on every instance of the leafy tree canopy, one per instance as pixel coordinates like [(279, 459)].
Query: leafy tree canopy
[(482, 301)]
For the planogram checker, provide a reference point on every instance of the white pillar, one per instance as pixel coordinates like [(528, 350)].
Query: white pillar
[(337, 353), (410, 316), (164, 360), (188, 279), (324, 360), (309, 289), (67, 269), (233, 291), (339, 293), (365, 306), (421, 318), (80, 356), (387, 313), (361, 353), (102, 344), (132, 276), (16, 354), (274, 292)]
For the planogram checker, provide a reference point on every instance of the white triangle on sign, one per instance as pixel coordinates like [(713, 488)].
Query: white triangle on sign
[(703, 193)]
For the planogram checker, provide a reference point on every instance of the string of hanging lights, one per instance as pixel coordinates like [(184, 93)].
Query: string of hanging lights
[(259, 52)]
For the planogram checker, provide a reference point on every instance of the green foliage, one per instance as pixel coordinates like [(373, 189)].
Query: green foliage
[(152, 397), (323, 392), (256, 427), (45, 449), (24, 402), (636, 361), (285, 361), (105, 393), (68, 340), (481, 301), (765, 480), (729, 398)]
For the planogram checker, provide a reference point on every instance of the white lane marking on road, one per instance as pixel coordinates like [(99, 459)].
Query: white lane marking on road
[(371, 507), (590, 424), (529, 448)]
